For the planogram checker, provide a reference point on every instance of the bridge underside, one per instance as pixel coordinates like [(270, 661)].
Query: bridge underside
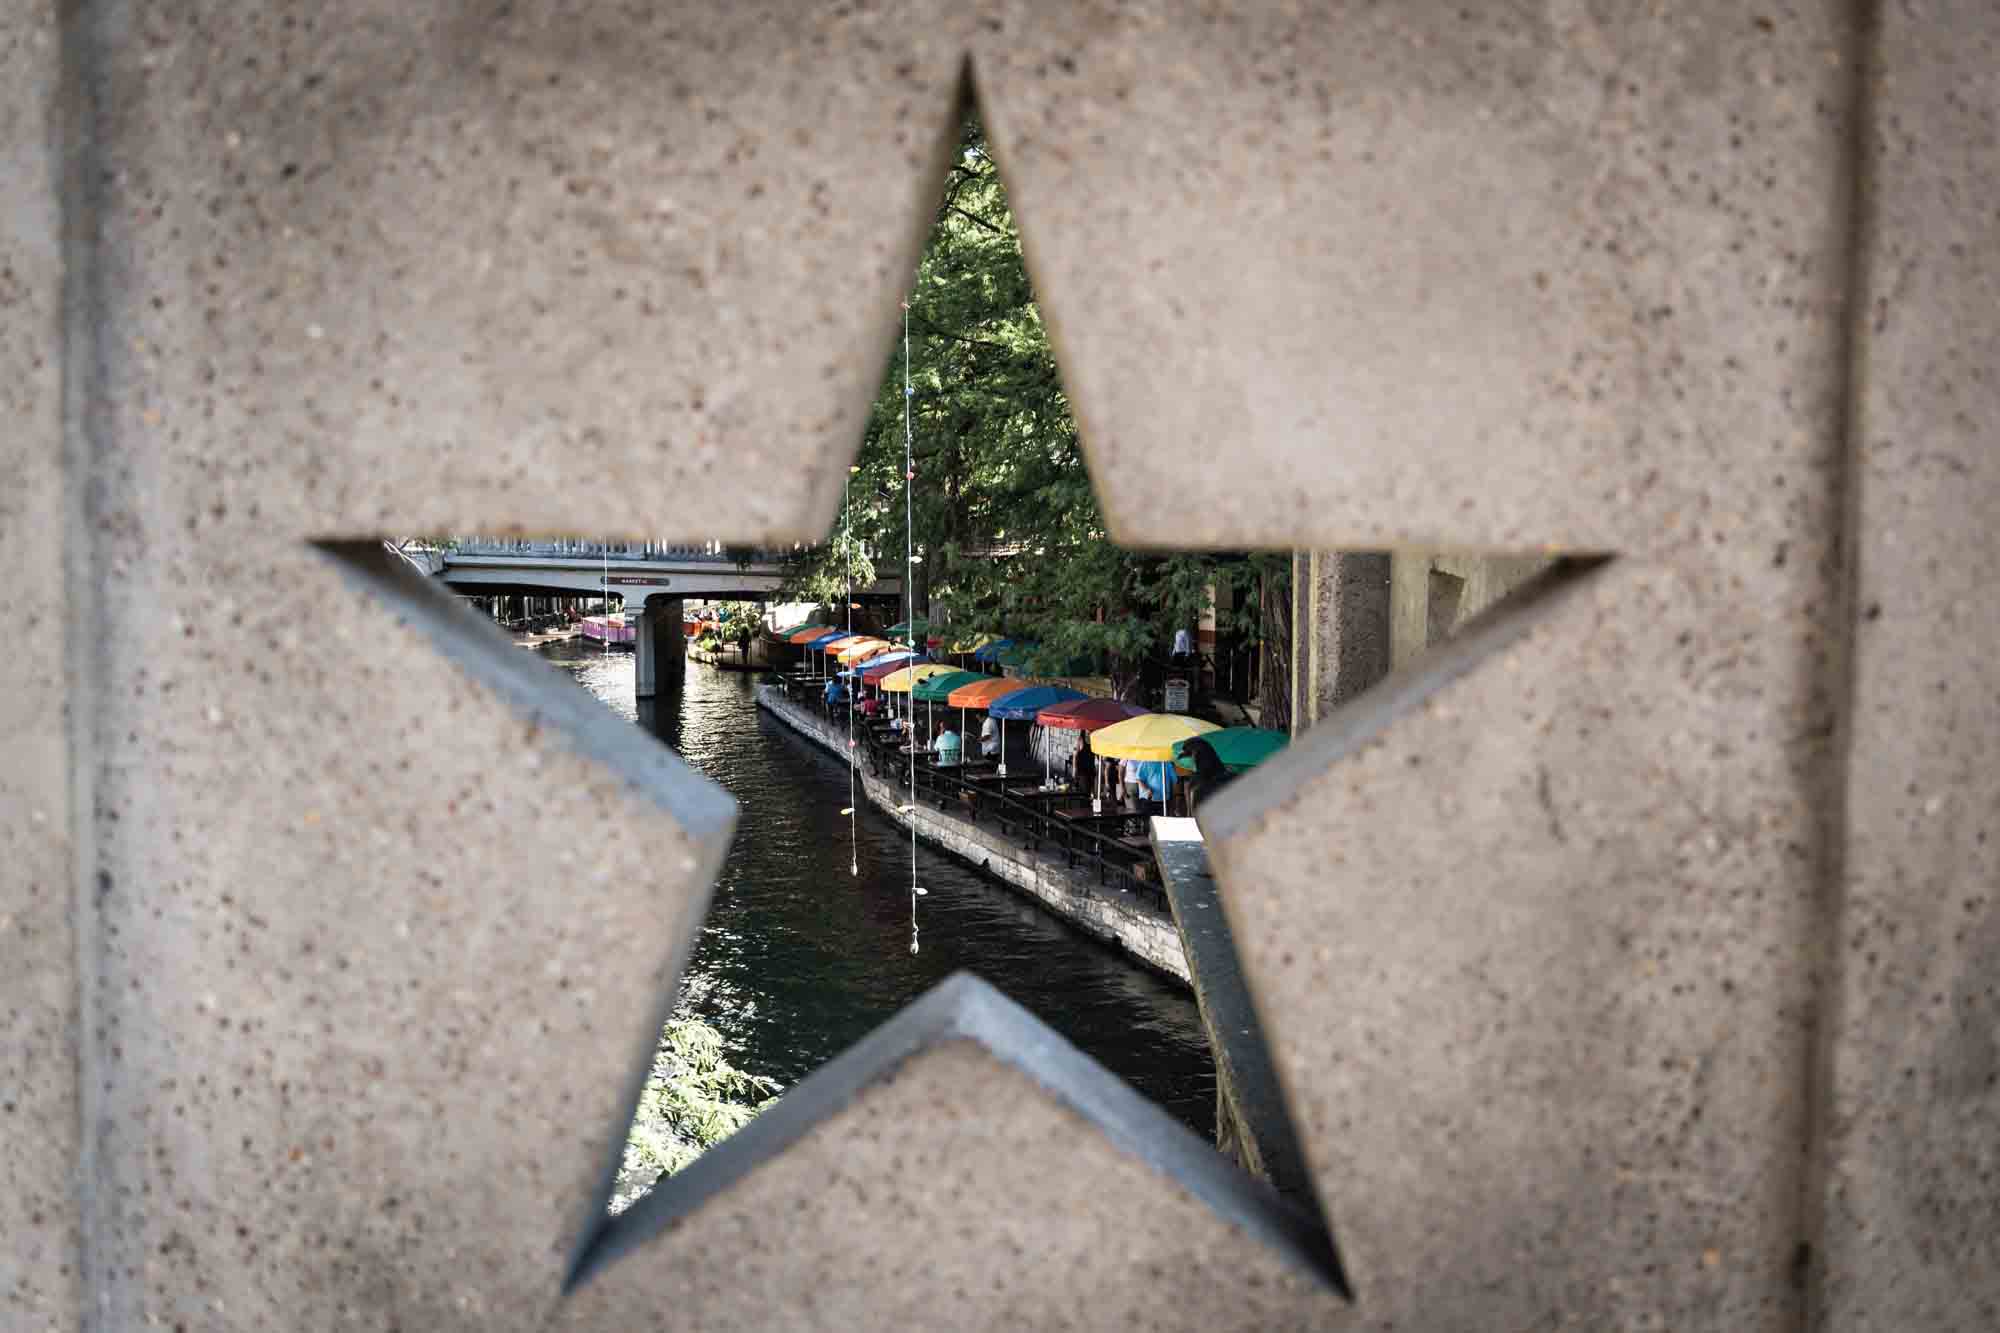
[(716, 585)]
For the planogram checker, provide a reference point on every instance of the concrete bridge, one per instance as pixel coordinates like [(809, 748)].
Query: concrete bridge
[(654, 579)]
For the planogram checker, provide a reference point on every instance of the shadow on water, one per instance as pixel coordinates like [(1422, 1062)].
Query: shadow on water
[(799, 958)]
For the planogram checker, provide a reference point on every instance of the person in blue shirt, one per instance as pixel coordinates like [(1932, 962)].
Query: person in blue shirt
[(836, 694), (947, 747), (1155, 780)]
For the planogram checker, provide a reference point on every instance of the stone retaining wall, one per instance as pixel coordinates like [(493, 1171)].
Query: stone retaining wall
[(1111, 914)]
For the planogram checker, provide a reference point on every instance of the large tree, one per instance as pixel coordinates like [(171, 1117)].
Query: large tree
[(1001, 509)]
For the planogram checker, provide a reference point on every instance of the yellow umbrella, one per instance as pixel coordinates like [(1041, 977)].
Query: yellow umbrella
[(902, 682), (971, 645), (855, 652), (1148, 737)]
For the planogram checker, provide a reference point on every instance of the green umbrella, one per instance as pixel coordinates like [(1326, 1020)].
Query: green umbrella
[(1239, 748), (789, 630), (910, 627), (936, 689)]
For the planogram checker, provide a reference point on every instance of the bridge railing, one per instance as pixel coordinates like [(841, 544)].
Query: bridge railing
[(578, 548)]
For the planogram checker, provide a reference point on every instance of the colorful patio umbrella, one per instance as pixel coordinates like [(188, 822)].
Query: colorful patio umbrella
[(1239, 748), (807, 633), (937, 688), (977, 693), (863, 646), (983, 691), (905, 679), (875, 668), (911, 627), (1149, 740), (1150, 737), (1088, 714), (968, 644), (827, 642), (1022, 705), (990, 650), (790, 630)]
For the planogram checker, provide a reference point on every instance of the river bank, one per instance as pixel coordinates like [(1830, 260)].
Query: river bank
[(806, 948), (1137, 928)]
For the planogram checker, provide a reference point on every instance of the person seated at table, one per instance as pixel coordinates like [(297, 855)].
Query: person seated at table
[(871, 707), (836, 694), (895, 724), (947, 747), (989, 738)]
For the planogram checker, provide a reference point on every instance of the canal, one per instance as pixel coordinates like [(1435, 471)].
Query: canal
[(799, 958)]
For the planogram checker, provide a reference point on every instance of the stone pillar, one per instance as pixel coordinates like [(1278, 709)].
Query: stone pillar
[(1340, 629), (659, 645)]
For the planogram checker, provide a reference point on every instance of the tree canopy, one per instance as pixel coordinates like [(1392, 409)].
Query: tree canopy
[(1002, 510)]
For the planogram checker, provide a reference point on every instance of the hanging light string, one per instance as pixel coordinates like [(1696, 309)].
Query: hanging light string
[(847, 523), (910, 602)]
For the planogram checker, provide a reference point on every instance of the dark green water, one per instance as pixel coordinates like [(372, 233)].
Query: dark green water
[(799, 958)]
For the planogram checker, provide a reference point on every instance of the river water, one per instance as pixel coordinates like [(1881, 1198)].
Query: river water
[(799, 958)]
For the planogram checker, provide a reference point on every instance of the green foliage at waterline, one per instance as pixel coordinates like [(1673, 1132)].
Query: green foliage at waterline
[(693, 1100)]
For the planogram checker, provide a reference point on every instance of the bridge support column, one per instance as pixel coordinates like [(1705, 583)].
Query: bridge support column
[(1340, 629), (659, 646)]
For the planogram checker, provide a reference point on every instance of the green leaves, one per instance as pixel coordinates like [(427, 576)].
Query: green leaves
[(693, 1100), (1002, 508)]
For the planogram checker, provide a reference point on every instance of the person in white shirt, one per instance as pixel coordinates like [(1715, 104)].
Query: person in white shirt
[(989, 737)]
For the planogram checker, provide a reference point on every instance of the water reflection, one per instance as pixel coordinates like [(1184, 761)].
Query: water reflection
[(799, 959)]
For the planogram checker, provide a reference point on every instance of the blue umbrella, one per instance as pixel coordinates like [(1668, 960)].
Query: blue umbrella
[(1022, 706), (831, 636), (991, 652), (870, 663)]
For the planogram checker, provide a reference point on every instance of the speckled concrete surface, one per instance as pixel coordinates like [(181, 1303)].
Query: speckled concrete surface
[(519, 246), (1912, 1125), (1532, 950), (1481, 277), (38, 1029), (957, 1194), (370, 949)]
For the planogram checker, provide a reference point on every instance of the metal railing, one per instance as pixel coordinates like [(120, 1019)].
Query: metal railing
[(1111, 859), (578, 548)]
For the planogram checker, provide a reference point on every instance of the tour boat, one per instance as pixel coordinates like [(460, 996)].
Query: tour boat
[(614, 628)]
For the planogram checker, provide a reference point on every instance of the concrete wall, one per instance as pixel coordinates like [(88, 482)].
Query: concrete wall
[(1340, 629), (42, 1164), (1434, 594), (1626, 964)]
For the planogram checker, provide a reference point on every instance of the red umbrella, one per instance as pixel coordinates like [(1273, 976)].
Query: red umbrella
[(1088, 714), (894, 662)]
